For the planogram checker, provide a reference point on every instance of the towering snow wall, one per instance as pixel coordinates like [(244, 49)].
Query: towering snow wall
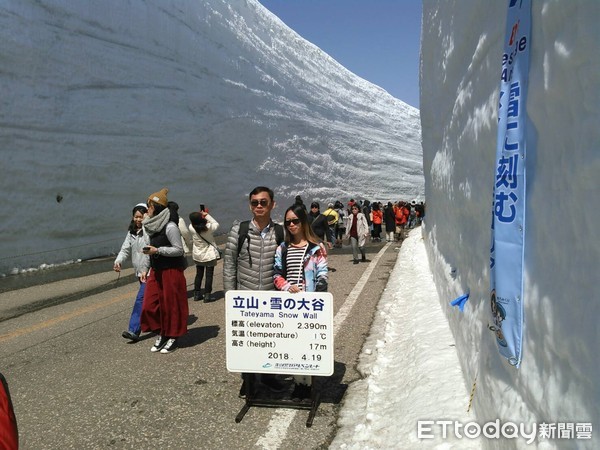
[(106, 102), (460, 75)]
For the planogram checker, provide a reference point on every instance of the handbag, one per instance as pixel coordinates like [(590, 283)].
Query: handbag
[(219, 252)]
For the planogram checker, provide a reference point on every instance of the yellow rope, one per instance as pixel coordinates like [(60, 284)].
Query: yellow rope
[(472, 394)]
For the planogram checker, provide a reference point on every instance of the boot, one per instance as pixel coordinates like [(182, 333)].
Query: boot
[(198, 296), (207, 297), (364, 257)]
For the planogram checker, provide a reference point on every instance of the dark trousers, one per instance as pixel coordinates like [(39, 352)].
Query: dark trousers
[(200, 275)]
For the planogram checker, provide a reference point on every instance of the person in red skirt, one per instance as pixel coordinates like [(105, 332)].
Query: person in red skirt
[(165, 307), (9, 434)]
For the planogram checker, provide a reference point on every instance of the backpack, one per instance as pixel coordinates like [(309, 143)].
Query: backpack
[(243, 235)]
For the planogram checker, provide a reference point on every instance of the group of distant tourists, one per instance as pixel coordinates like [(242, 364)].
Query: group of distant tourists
[(260, 254)]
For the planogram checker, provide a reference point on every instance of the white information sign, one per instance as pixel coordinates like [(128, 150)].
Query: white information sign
[(279, 332)]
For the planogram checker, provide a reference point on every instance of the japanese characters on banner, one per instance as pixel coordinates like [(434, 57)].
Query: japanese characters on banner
[(279, 332), (508, 221)]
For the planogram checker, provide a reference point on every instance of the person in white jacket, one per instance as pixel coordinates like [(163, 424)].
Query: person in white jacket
[(357, 230), (205, 253), (132, 246)]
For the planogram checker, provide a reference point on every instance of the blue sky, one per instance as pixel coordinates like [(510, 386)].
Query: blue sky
[(376, 39)]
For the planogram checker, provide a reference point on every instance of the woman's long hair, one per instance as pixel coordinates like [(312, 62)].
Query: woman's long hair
[(199, 223), (132, 228), (300, 212)]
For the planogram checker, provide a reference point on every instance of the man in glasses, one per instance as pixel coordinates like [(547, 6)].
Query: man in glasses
[(250, 255)]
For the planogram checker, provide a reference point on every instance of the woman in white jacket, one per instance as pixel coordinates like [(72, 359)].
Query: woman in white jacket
[(357, 230), (204, 252)]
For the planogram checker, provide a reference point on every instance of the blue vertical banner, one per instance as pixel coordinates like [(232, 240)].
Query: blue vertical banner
[(508, 221)]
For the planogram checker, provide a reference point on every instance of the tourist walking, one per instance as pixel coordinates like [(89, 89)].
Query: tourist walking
[(390, 222), (133, 246), (357, 231), (165, 307)]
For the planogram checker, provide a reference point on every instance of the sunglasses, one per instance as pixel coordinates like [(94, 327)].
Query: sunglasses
[(292, 221), (262, 202)]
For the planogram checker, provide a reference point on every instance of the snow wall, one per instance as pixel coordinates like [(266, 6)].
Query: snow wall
[(461, 51)]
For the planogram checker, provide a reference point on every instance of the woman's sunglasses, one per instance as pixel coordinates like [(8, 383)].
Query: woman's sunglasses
[(262, 202), (292, 221)]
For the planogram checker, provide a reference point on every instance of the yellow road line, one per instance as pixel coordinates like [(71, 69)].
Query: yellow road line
[(71, 315)]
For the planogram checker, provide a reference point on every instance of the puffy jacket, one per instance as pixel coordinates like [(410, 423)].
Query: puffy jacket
[(401, 214), (252, 269), (203, 251), (133, 245), (377, 216), (314, 263)]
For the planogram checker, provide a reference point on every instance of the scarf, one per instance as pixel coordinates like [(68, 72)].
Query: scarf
[(154, 224)]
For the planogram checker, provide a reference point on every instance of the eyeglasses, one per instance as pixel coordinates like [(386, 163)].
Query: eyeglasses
[(262, 202), (292, 221)]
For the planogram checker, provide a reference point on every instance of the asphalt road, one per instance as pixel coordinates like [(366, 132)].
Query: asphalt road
[(77, 384)]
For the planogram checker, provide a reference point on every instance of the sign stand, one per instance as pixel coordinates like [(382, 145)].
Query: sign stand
[(279, 333), (251, 400)]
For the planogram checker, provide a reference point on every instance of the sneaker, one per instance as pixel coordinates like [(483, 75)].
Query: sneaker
[(272, 383), (131, 336), (158, 344), (169, 346), (198, 296), (208, 298)]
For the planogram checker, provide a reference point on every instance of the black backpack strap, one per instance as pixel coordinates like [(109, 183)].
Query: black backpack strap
[(279, 233), (243, 235)]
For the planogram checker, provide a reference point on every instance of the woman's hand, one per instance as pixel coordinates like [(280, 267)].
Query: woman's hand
[(150, 250), (117, 267), (294, 289)]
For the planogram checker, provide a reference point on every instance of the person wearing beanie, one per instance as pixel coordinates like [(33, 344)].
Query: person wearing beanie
[(133, 246), (204, 252), (165, 308), (159, 198)]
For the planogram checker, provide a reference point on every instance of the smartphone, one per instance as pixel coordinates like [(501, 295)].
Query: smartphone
[(201, 207)]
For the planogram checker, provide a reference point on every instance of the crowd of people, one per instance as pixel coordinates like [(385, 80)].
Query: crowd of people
[(260, 254)]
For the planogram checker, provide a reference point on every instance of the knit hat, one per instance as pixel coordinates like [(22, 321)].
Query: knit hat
[(159, 197)]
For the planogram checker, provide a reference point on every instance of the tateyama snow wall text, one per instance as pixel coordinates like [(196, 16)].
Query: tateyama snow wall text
[(461, 47)]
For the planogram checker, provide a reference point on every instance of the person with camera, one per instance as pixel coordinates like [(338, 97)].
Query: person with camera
[(204, 252)]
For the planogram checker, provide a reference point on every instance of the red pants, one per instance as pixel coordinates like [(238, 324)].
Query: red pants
[(165, 308), (9, 436)]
